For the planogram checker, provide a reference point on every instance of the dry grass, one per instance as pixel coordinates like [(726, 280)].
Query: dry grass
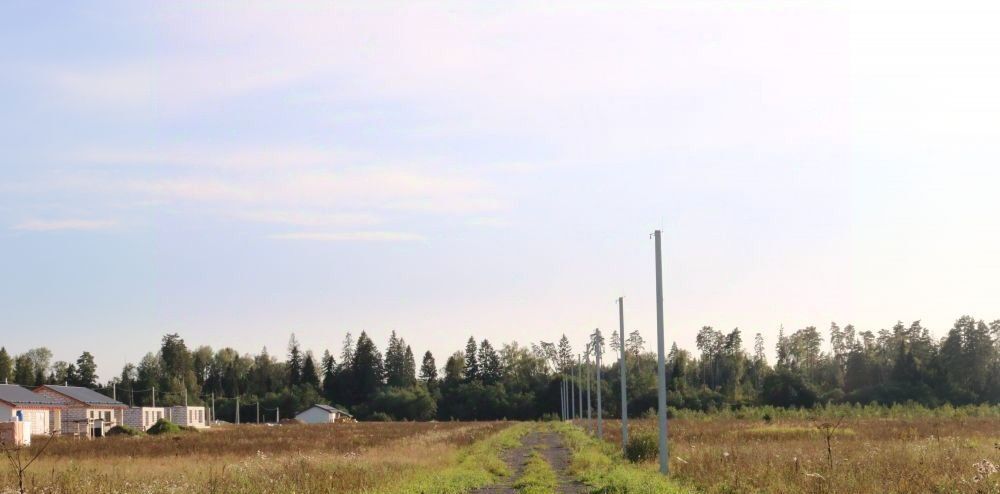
[(869, 455), (342, 458)]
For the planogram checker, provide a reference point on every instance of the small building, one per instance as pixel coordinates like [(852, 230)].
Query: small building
[(188, 416), (20, 404), (86, 412), (143, 418), (323, 414)]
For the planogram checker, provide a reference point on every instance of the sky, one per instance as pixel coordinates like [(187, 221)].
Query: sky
[(238, 171)]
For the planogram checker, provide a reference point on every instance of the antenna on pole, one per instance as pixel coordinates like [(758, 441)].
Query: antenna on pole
[(660, 364)]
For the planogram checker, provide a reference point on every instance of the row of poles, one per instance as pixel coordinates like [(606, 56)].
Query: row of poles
[(572, 392)]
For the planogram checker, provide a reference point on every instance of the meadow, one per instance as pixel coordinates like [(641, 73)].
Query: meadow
[(908, 450), (252, 459), (761, 450)]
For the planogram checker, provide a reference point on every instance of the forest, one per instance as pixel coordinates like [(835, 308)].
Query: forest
[(904, 364)]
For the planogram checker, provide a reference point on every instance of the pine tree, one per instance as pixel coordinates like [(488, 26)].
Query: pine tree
[(309, 374), (6, 366), (564, 354), (428, 370), (489, 363), (86, 371), (409, 367), (471, 372), (329, 370), (367, 369), (294, 362), (24, 371), (347, 352), (395, 361)]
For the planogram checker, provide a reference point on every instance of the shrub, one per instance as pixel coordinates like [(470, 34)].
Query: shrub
[(380, 417), (164, 426), (124, 430), (642, 447)]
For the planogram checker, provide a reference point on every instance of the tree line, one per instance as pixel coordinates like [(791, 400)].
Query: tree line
[(481, 381)]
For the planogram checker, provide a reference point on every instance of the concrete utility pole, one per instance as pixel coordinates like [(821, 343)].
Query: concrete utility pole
[(237, 409), (154, 396), (572, 402), (586, 364), (277, 415), (621, 368), (258, 412), (579, 390), (661, 369), (597, 382), (213, 407)]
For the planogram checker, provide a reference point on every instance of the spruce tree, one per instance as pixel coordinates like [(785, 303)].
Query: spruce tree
[(294, 362), (309, 374), (409, 367), (428, 370), (489, 363), (329, 370), (6, 366), (471, 370), (367, 369)]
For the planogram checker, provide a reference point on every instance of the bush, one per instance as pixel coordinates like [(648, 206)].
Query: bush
[(164, 426), (124, 430), (642, 447), (380, 417)]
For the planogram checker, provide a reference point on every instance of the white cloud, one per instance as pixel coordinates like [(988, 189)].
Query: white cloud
[(40, 225), (310, 218), (349, 236), (245, 158)]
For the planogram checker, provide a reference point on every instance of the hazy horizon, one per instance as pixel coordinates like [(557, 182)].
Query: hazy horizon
[(237, 175)]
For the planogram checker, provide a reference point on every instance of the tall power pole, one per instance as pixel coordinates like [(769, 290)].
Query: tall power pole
[(621, 368), (579, 390), (586, 365), (597, 381), (572, 392), (661, 369)]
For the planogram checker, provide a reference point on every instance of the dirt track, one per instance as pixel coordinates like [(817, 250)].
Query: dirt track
[(551, 446)]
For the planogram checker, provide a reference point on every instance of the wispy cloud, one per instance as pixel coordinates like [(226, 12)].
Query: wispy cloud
[(349, 236), (39, 225)]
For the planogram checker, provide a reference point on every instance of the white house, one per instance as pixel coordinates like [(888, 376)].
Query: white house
[(323, 414), (188, 416), (143, 418), (20, 404), (86, 412)]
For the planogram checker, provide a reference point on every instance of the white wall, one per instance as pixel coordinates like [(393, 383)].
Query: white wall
[(39, 418)]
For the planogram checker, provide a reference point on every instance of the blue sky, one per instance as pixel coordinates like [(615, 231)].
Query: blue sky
[(235, 172)]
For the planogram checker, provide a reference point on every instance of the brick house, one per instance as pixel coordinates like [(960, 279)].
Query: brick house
[(143, 418), (86, 412)]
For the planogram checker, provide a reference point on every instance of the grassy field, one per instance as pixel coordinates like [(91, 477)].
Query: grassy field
[(868, 454), (753, 452), (250, 459)]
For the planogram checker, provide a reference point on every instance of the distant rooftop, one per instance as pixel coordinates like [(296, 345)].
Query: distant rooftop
[(19, 395), (84, 395), (332, 409)]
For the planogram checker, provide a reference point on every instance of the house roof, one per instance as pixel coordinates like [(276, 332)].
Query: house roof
[(84, 395), (21, 396), (330, 409)]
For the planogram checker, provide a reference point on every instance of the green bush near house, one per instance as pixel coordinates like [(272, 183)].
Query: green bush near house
[(164, 426), (125, 430)]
